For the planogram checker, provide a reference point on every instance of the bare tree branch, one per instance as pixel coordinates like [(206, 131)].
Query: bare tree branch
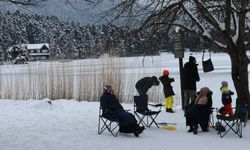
[(163, 16), (119, 10), (207, 16), (24, 2)]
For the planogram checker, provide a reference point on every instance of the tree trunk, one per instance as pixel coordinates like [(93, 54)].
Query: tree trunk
[(239, 59), (239, 75)]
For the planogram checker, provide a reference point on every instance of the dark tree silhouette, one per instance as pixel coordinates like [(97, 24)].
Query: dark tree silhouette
[(24, 2)]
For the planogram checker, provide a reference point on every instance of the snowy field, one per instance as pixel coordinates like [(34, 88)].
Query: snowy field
[(72, 125)]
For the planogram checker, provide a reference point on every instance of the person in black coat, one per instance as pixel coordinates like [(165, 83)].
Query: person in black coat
[(112, 108), (168, 90), (190, 77), (144, 84)]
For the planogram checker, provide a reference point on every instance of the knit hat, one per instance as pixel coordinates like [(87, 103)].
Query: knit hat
[(224, 84), (165, 72), (192, 59)]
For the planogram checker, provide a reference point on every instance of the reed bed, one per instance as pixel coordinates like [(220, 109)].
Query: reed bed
[(81, 80)]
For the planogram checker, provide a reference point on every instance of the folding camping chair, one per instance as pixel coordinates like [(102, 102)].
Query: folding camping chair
[(107, 122), (142, 112), (234, 122)]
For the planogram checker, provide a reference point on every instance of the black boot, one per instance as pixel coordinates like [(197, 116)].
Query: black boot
[(170, 110), (195, 128), (136, 134), (138, 130), (190, 129)]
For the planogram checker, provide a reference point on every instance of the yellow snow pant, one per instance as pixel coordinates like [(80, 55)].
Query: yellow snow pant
[(169, 102)]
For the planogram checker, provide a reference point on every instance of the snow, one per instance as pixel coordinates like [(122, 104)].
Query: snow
[(72, 125), (37, 46)]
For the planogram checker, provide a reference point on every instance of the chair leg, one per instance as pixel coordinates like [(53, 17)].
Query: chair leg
[(141, 119), (227, 125), (238, 127), (153, 121), (111, 130), (211, 121), (245, 121), (107, 125), (101, 129)]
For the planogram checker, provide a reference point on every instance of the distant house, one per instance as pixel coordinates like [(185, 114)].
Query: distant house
[(38, 51)]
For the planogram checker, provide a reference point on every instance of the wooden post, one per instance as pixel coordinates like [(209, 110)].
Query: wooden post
[(179, 53)]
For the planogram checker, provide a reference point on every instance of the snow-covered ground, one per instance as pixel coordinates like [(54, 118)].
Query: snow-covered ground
[(72, 125)]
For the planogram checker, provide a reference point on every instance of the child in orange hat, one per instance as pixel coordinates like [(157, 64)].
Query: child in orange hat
[(168, 90)]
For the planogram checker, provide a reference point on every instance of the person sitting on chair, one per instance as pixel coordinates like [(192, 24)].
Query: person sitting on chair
[(112, 108), (198, 113)]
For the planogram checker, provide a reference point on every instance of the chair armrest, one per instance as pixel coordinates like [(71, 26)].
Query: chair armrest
[(156, 105)]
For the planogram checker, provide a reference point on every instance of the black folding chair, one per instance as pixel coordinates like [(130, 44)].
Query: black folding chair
[(142, 112), (107, 122), (233, 123)]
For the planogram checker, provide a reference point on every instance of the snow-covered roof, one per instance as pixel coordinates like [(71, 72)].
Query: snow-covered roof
[(37, 46)]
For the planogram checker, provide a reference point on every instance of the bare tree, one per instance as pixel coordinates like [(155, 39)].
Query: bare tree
[(225, 23), (24, 2)]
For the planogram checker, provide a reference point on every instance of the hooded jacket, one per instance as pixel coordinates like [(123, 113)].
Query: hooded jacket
[(167, 88), (146, 83), (226, 95), (190, 75)]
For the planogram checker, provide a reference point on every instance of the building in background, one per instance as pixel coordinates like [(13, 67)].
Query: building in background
[(38, 51)]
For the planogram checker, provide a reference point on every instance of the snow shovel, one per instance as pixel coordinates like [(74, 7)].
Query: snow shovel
[(167, 126)]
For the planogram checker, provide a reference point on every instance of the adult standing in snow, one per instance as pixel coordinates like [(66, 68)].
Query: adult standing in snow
[(168, 90), (190, 77), (143, 85), (112, 108)]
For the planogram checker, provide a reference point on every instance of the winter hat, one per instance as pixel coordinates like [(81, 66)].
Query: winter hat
[(165, 72), (224, 84), (192, 59), (107, 89)]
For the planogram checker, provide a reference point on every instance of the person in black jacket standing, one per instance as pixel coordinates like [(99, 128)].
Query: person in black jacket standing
[(190, 77), (143, 85)]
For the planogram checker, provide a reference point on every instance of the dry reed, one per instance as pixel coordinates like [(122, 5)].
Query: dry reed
[(79, 80)]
